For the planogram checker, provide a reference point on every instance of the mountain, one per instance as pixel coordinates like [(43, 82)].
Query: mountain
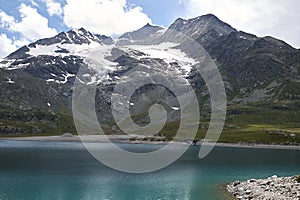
[(204, 28), (261, 76), (142, 33)]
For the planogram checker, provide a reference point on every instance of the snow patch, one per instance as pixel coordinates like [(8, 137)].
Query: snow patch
[(86, 75), (10, 81), (54, 50), (66, 76), (4, 63), (7, 64), (243, 37), (168, 53), (50, 80), (175, 108), (161, 31)]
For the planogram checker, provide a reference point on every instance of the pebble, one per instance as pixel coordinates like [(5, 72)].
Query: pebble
[(272, 188)]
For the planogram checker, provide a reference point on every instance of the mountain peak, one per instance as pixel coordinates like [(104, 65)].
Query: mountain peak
[(208, 16), (208, 26), (83, 30), (204, 18), (62, 41), (141, 33), (148, 25)]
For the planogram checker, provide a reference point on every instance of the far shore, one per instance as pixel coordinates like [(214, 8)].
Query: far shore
[(129, 139)]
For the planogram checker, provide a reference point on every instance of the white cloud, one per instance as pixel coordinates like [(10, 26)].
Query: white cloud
[(262, 17), (104, 16), (54, 8), (6, 20), (181, 1), (7, 45), (32, 25)]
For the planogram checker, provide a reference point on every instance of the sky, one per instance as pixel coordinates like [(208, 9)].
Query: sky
[(25, 21)]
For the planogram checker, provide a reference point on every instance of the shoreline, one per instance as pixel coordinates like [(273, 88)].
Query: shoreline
[(127, 140)]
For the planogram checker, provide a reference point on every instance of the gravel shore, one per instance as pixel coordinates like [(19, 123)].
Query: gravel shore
[(272, 188), (129, 139)]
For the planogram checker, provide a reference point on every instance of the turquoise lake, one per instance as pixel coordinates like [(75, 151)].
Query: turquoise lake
[(66, 171)]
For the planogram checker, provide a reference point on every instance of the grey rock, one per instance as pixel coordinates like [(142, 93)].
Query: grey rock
[(284, 188)]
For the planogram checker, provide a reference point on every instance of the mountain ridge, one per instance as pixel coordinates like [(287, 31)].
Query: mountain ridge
[(255, 70)]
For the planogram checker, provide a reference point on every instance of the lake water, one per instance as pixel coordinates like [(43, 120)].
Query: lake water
[(52, 170)]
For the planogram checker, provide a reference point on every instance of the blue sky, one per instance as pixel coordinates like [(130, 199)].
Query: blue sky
[(162, 12), (24, 21)]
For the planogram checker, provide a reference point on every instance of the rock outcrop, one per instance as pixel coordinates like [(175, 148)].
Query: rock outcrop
[(272, 188)]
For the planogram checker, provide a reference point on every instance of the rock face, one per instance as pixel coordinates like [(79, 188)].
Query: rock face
[(273, 188)]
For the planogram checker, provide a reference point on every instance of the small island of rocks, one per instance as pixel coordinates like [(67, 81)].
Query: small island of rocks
[(272, 188)]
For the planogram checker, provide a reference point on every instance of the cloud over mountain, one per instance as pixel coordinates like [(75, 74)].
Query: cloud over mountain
[(105, 16)]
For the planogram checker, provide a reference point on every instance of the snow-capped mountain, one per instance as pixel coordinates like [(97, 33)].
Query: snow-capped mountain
[(39, 77)]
